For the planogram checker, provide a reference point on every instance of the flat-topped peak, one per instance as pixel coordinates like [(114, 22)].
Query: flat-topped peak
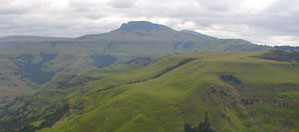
[(142, 25)]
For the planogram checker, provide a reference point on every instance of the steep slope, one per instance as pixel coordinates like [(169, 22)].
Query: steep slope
[(238, 91), (10, 84)]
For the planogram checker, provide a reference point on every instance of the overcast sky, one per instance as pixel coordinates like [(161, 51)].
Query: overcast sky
[(274, 22)]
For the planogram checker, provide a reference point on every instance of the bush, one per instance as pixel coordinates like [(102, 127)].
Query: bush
[(230, 79), (202, 127)]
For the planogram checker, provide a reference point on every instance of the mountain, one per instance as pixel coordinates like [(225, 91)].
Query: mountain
[(149, 34), (220, 91), (29, 62), (141, 32), (141, 25)]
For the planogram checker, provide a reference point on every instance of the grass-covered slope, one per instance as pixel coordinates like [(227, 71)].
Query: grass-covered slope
[(220, 91), (49, 103), (237, 90)]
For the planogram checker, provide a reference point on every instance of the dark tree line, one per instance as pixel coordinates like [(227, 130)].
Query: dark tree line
[(289, 48), (280, 55)]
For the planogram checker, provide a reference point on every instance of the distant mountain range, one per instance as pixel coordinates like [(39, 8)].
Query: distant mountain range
[(147, 33)]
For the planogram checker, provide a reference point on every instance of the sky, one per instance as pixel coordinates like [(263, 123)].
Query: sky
[(270, 22)]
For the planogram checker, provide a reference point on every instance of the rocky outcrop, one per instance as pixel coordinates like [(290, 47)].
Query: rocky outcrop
[(269, 102)]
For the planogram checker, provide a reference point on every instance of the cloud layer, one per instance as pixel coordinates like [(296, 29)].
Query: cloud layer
[(273, 22)]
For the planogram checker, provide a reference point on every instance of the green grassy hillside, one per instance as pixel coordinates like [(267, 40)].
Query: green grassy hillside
[(48, 104), (236, 91)]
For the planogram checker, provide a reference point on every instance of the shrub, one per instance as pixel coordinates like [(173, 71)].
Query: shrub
[(230, 79), (202, 127)]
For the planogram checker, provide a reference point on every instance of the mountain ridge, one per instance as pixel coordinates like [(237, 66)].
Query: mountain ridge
[(136, 27), (148, 29), (32, 38), (141, 25)]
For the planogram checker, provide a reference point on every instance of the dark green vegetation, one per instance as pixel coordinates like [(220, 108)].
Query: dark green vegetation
[(287, 48), (46, 105), (230, 79), (103, 60), (202, 127), (281, 56), (205, 91), (28, 62), (34, 71)]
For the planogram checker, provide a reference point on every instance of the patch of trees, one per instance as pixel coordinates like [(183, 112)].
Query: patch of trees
[(144, 61), (19, 114), (231, 79), (49, 120), (106, 88), (34, 71), (72, 81), (103, 60), (201, 127), (280, 55), (288, 48)]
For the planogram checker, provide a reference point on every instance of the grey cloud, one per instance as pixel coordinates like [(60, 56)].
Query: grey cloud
[(7, 8), (122, 3), (274, 23)]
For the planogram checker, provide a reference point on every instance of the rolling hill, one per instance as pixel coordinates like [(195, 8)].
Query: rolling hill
[(223, 91)]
